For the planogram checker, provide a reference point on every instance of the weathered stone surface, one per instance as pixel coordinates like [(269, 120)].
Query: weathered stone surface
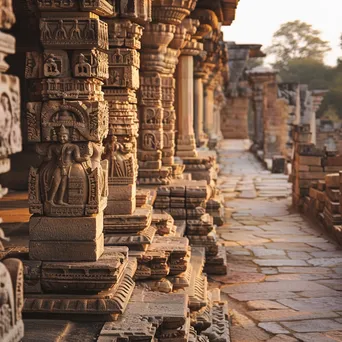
[(273, 328), (265, 305), (44, 228), (113, 301), (289, 315), (67, 250), (316, 325)]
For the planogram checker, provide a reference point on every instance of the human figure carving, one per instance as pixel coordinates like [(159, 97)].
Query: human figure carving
[(51, 67), (120, 158), (66, 155)]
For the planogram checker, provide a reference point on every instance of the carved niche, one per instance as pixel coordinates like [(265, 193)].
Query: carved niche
[(72, 179)]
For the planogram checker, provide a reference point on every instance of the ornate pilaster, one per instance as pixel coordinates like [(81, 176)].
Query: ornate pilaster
[(11, 270), (10, 133), (68, 120), (156, 38), (120, 92), (161, 42)]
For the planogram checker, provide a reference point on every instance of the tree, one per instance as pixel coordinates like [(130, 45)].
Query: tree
[(297, 40), (308, 71)]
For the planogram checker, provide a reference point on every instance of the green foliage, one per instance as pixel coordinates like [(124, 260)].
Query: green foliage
[(297, 40), (307, 71)]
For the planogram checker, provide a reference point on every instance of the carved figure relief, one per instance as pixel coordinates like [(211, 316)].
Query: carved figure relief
[(82, 68), (120, 157), (7, 18), (150, 142), (68, 167), (10, 133), (52, 66), (11, 300)]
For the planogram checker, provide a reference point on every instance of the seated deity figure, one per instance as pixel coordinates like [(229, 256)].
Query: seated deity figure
[(66, 161), (51, 67)]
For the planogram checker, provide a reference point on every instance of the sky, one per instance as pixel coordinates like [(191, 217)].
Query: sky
[(257, 20)]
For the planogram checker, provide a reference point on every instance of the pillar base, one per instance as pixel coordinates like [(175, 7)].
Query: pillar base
[(111, 302), (65, 238), (154, 177)]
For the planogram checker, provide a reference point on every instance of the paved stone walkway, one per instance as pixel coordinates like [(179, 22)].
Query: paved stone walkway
[(285, 276)]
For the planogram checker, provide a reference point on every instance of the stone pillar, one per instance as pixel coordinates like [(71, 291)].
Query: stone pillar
[(209, 108), (161, 42), (186, 145), (124, 223), (10, 133), (199, 108), (259, 78), (120, 92), (68, 120), (156, 38), (11, 270)]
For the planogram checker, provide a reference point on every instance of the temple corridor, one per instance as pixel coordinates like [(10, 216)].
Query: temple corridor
[(284, 274)]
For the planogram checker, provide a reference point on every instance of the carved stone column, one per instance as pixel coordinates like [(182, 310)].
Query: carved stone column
[(10, 133), (209, 107), (11, 270), (124, 223), (68, 120), (160, 42), (199, 74), (259, 78), (274, 112), (120, 92), (186, 143)]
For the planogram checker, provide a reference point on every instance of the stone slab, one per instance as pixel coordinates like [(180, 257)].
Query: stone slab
[(316, 325), (43, 228), (67, 250)]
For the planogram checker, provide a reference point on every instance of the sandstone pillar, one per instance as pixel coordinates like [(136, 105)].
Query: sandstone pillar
[(209, 108), (10, 133), (123, 221), (199, 109), (11, 270), (259, 78), (68, 120), (186, 145)]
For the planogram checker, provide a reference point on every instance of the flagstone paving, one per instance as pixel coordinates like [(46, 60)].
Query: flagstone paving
[(285, 275)]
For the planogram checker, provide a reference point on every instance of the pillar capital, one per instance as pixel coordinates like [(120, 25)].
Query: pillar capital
[(172, 11)]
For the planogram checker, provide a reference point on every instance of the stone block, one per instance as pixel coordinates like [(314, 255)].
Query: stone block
[(122, 207), (121, 192), (309, 160), (332, 181), (43, 228), (67, 250)]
